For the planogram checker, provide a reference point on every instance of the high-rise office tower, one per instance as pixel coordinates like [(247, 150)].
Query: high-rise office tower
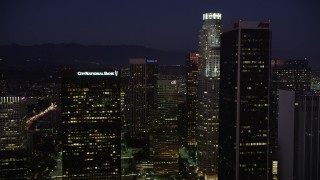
[(307, 162), (192, 71), (293, 75), (208, 95), (165, 139), (286, 133), (290, 78), (125, 97), (299, 135), (13, 159), (142, 85), (247, 136), (90, 102)]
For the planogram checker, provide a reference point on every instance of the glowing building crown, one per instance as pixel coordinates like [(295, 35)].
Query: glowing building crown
[(207, 16)]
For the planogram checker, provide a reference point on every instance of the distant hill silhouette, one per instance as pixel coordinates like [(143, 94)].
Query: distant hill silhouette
[(72, 53)]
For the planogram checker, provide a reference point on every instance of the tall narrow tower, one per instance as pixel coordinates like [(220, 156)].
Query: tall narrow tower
[(142, 82), (208, 94), (192, 72), (165, 129), (247, 136)]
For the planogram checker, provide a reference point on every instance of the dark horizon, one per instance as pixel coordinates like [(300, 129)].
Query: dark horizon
[(161, 25), (179, 54)]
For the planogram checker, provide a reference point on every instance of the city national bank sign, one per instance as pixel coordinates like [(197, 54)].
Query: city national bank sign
[(104, 73)]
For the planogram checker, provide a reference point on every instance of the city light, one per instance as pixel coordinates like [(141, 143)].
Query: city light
[(30, 120)]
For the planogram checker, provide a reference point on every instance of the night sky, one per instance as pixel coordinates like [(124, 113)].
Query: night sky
[(160, 24)]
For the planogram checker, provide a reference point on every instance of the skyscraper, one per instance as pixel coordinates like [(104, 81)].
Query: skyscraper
[(90, 103), (192, 71), (308, 138), (293, 75), (13, 159), (290, 78), (142, 85), (247, 136), (165, 130), (299, 135), (286, 133), (208, 95)]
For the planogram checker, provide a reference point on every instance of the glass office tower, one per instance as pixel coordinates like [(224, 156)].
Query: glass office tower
[(247, 136), (165, 139), (208, 95), (142, 83), (13, 157), (90, 103)]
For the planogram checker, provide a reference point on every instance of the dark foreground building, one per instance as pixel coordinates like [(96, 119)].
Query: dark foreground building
[(91, 124), (307, 161), (299, 135), (290, 79), (247, 131)]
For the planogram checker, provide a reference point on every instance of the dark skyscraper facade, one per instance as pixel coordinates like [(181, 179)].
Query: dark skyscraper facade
[(208, 95), (290, 79), (142, 84), (299, 135), (245, 144), (90, 103), (192, 64), (308, 138)]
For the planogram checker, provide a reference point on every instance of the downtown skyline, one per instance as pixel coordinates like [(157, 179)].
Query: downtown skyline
[(134, 121)]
